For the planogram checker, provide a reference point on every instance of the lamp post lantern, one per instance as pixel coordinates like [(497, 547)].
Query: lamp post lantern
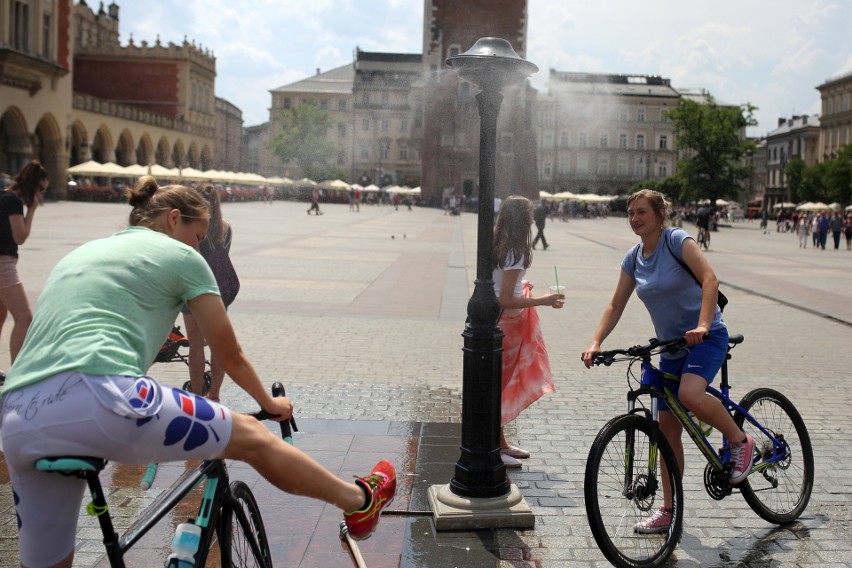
[(480, 494)]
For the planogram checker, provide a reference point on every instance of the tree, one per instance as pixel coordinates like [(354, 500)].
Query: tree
[(838, 176), (712, 143), (795, 174), (303, 139)]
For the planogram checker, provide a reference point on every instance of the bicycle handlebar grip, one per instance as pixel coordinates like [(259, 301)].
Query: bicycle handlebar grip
[(148, 478), (287, 426)]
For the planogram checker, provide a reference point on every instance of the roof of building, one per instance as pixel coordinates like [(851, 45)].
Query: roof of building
[(796, 123), (700, 96), (611, 84), (334, 81)]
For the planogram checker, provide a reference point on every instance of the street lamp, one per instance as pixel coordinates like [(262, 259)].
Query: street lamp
[(480, 494)]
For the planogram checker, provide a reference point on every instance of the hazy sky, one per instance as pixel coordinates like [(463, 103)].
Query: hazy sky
[(771, 53)]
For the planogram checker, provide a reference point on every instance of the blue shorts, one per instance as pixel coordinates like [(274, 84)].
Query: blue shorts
[(704, 360)]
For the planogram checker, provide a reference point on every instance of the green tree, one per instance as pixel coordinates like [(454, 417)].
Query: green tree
[(813, 183), (303, 139), (795, 173), (838, 176), (712, 143)]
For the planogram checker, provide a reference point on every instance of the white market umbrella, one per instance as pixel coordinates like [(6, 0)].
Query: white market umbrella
[(334, 184)]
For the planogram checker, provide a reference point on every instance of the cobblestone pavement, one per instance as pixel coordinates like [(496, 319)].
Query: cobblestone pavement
[(361, 315)]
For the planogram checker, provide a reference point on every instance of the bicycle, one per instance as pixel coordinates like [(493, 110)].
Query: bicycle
[(170, 352), (228, 510), (703, 238), (621, 478)]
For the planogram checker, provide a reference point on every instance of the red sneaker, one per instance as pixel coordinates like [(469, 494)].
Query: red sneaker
[(381, 486)]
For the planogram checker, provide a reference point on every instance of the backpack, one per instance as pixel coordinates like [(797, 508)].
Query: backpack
[(722, 299)]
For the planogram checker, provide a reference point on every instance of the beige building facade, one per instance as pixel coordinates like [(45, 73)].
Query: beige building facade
[(836, 118), (602, 133)]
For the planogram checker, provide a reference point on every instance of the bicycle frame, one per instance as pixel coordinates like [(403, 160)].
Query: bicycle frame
[(653, 383)]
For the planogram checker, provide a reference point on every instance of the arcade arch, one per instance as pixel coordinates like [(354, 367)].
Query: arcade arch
[(178, 155), (15, 144), (162, 153), (79, 146), (125, 153), (192, 156), (145, 151), (102, 146)]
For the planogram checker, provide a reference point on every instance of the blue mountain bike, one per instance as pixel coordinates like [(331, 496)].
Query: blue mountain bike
[(622, 481)]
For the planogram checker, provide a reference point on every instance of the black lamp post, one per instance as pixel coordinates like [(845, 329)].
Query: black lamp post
[(490, 64)]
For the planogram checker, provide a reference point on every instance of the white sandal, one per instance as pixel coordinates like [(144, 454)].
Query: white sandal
[(514, 452)]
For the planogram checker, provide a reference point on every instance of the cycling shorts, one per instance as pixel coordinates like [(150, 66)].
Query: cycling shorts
[(704, 359), (124, 419)]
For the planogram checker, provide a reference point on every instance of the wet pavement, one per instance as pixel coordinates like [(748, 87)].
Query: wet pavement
[(360, 315)]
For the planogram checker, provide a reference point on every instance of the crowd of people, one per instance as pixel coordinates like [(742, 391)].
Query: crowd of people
[(815, 227)]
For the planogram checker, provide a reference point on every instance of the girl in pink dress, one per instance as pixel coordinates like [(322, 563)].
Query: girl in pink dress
[(526, 367)]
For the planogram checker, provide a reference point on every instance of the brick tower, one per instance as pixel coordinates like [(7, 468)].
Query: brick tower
[(450, 146)]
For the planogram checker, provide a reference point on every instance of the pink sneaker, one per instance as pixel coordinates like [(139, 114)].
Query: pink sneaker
[(659, 522), (742, 455), (381, 485)]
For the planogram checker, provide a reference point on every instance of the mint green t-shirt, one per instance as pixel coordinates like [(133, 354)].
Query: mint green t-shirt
[(108, 306)]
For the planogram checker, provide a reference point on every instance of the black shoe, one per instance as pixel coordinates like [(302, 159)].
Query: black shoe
[(546, 247)]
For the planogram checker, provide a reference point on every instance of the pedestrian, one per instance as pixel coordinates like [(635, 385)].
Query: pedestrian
[(823, 222), (314, 201), (764, 220), (526, 367), (357, 200), (836, 226), (803, 231), (540, 217), (102, 316), (27, 191), (397, 199), (815, 229), (215, 248), (266, 194), (847, 231), (678, 307), (351, 199)]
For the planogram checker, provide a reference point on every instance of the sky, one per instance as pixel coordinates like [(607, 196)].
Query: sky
[(769, 53)]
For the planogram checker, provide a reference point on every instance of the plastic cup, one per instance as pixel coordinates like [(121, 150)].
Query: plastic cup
[(558, 290)]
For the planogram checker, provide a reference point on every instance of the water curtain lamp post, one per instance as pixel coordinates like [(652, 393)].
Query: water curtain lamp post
[(480, 495)]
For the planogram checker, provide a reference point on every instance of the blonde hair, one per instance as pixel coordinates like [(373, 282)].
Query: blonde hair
[(149, 201), (512, 231), (657, 201)]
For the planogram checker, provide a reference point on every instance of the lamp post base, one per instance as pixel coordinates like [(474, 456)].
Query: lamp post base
[(454, 513)]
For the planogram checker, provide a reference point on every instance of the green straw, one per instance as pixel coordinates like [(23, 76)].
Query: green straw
[(555, 273)]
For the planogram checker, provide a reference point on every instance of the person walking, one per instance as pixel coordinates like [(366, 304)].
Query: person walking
[(100, 321), (847, 231), (27, 190), (803, 231), (314, 201), (540, 217), (823, 223), (815, 219), (678, 308), (836, 226), (526, 367), (215, 248)]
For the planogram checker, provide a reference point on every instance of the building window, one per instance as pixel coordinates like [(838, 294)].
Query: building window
[(583, 140), (548, 169), (20, 25), (664, 142), (640, 169), (564, 167), (323, 104), (365, 154), (341, 131), (582, 165), (622, 140), (563, 140), (640, 115), (403, 125), (287, 103), (603, 166), (384, 124), (385, 99), (640, 141), (663, 168), (341, 105), (403, 152), (46, 50), (622, 167), (622, 114), (604, 140), (548, 140), (384, 150), (506, 143)]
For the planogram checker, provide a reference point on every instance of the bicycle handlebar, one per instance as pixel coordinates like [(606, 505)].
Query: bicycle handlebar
[(653, 346)]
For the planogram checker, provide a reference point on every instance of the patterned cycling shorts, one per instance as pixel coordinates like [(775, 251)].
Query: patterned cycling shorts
[(65, 416)]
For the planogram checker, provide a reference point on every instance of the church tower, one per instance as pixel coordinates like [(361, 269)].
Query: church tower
[(450, 146)]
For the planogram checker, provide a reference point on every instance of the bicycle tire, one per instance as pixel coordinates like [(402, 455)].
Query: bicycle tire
[(611, 514), (205, 385), (242, 536), (795, 475)]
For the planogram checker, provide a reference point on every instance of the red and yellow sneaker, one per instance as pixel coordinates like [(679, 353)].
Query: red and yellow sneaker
[(380, 485)]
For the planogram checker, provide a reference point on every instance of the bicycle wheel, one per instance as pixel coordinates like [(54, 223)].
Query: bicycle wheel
[(620, 492), (242, 537), (779, 492)]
